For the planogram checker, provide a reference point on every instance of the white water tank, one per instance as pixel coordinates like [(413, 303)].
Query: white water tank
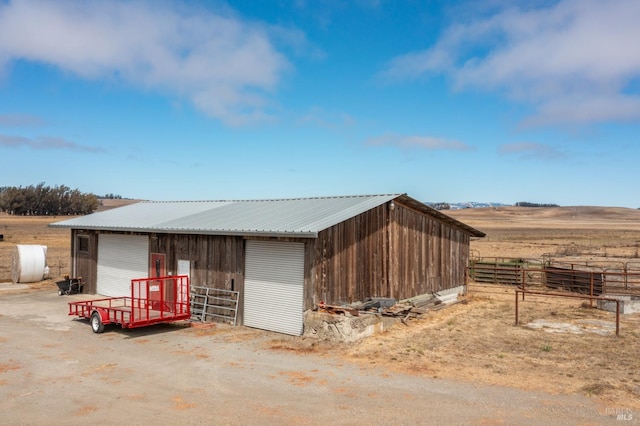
[(29, 263)]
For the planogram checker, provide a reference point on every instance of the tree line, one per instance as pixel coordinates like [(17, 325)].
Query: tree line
[(42, 200), (528, 204)]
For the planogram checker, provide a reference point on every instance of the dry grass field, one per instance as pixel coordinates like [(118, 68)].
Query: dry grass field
[(34, 230), (477, 341), (534, 232)]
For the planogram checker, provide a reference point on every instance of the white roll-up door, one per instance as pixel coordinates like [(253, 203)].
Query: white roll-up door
[(274, 286), (121, 258)]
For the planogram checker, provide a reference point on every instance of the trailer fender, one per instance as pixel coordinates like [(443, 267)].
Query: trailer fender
[(104, 315), (98, 320)]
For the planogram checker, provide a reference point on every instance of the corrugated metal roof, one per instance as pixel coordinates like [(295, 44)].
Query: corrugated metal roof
[(302, 217), (296, 217)]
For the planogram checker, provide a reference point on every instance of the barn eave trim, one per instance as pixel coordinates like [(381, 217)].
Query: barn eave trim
[(219, 232)]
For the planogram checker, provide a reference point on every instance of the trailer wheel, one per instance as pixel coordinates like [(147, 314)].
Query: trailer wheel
[(60, 293), (96, 323)]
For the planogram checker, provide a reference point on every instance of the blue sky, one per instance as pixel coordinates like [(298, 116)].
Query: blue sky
[(447, 101)]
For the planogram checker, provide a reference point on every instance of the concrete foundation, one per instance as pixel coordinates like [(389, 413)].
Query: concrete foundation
[(350, 328), (344, 328), (628, 304)]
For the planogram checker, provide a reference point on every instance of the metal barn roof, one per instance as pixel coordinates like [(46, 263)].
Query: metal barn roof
[(298, 217)]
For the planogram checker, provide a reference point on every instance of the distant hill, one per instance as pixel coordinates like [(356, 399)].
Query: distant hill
[(467, 205), (559, 215)]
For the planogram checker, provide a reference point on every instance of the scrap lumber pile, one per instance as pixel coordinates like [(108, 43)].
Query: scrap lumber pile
[(338, 310), (404, 309)]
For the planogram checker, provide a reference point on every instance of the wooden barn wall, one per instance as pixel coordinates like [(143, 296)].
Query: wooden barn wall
[(386, 252), (216, 261), (349, 260), (425, 255)]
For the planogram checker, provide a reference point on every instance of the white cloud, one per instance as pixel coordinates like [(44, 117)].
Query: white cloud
[(583, 108), (20, 120), (221, 64), (326, 119), (418, 142), (574, 61), (44, 143), (531, 150)]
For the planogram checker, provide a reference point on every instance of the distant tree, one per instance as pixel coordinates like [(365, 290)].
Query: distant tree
[(41, 200), (528, 204), (112, 197)]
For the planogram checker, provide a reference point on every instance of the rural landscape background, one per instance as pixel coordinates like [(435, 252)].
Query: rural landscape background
[(475, 341), (442, 100)]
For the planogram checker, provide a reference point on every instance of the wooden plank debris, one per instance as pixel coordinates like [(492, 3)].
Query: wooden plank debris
[(404, 309), (339, 310)]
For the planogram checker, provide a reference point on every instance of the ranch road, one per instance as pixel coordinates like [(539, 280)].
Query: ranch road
[(54, 370)]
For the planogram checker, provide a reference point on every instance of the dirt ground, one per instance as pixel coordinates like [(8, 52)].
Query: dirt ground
[(477, 342), (55, 371)]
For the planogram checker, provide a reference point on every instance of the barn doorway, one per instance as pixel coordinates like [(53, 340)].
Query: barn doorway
[(274, 286), (121, 258)]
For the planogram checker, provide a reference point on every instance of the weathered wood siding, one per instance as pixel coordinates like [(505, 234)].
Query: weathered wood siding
[(349, 260), (425, 255), (387, 252), (216, 261)]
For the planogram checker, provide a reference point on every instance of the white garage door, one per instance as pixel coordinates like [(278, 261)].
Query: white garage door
[(120, 259), (274, 286)]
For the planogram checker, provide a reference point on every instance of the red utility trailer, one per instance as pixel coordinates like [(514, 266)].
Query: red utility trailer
[(152, 301)]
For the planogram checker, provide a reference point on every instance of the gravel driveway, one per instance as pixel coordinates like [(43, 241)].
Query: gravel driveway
[(54, 370)]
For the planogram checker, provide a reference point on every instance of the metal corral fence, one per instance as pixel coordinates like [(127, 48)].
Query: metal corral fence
[(616, 276), (508, 271), (577, 277)]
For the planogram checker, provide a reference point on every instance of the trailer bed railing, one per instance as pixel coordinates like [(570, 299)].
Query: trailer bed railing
[(152, 300)]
